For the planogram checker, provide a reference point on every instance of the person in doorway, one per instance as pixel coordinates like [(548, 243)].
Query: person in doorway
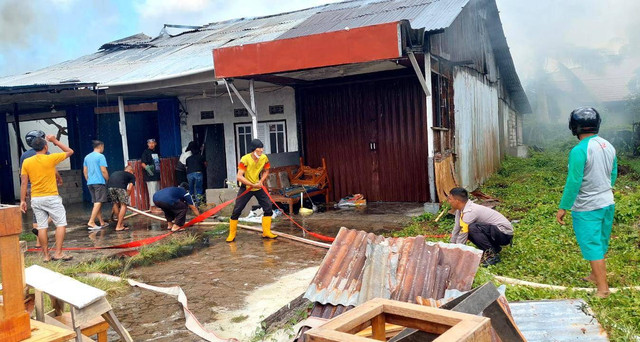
[(120, 187), (249, 169), (46, 203), (174, 202), (181, 165), (593, 169), (151, 163), (96, 174), (29, 137), (196, 164), (486, 228)]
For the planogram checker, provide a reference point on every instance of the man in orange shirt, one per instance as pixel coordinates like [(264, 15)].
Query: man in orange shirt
[(46, 203)]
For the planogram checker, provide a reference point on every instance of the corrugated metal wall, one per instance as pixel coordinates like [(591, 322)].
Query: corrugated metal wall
[(342, 121), (477, 127)]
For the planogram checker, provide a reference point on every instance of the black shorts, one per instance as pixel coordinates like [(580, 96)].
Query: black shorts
[(98, 193)]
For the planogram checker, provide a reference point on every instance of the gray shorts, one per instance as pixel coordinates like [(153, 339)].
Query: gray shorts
[(98, 193), (49, 207)]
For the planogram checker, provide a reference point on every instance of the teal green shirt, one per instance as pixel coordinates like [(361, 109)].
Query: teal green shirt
[(593, 169)]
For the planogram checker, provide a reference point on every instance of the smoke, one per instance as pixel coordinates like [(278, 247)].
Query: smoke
[(574, 53), (16, 22)]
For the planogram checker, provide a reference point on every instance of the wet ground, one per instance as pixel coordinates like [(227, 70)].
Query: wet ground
[(230, 287), (218, 280)]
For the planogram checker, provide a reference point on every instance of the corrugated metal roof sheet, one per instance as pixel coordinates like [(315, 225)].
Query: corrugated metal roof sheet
[(141, 59), (557, 320), (360, 266)]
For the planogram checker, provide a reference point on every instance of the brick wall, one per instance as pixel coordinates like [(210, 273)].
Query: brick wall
[(71, 188)]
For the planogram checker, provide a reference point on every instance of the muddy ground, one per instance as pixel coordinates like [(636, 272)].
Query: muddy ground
[(230, 287)]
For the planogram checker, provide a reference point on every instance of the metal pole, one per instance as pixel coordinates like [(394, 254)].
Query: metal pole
[(254, 114), (123, 131), (430, 142)]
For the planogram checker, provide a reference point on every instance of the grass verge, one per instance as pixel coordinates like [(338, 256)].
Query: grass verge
[(546, 252)]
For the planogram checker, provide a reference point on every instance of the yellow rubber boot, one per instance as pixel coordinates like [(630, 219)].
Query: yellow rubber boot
[(233, 227), (266, 228)]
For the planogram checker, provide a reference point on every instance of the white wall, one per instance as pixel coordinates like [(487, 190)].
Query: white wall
[(26, 126), (223, 113), (477, 127)]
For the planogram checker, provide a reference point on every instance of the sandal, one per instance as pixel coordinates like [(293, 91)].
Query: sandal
[(177, 230), (64, 258), (123, 229)]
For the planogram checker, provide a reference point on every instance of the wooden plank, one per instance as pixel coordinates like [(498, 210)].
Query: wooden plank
[(10, 220), (115, 324), (42, 332), (325, 335), (54, 321), (468, 331), (89, 313), (13, 291), (411, 322), (355, 317), (60, 286), (39, 306), (378, 328)]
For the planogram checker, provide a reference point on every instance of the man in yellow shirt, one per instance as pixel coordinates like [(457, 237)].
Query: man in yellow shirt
[(249, 170), (46, 203)]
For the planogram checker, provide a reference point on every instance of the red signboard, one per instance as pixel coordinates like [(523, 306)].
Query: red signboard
[(358, 45)]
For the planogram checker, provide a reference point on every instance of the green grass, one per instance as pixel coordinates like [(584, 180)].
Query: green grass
[(148, 255), (545, 252)]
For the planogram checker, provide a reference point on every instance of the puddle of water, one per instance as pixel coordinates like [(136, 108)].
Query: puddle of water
[(261, 303), (218, 281)]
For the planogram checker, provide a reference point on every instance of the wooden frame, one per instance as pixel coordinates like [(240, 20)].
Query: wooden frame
[(447, 325), (14, 319)]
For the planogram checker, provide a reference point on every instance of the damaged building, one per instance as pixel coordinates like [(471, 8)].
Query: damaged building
[(383, 91)]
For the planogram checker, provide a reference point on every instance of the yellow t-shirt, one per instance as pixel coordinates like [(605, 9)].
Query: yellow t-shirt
[(41, 170), (252, 168)]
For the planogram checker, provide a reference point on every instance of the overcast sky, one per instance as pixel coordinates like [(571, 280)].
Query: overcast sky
[(38, 33)]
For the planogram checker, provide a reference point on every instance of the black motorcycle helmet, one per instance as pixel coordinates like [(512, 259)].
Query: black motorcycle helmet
[(584, 120), (32, 135)]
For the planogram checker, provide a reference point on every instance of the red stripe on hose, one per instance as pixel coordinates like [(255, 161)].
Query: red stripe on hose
[(147, 241), (213, 211), (315, 235)]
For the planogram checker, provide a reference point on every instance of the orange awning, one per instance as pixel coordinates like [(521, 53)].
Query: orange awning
[(347, 46)]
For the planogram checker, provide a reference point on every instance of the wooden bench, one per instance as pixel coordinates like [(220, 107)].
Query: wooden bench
[(285, 177), (86, 302)]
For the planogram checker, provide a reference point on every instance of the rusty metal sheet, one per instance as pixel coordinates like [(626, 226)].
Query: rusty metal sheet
[(140, 58), (557, 320), (360, 266)]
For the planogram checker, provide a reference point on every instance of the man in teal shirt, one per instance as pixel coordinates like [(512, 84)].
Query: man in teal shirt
[(593, 168)]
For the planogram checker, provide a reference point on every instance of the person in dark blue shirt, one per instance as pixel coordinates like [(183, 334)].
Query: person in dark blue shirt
[(174, 202)]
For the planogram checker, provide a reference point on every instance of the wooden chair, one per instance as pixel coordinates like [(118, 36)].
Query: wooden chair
[(305, 176)]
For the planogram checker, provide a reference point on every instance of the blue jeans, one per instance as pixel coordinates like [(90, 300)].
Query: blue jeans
[(195, 184)]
